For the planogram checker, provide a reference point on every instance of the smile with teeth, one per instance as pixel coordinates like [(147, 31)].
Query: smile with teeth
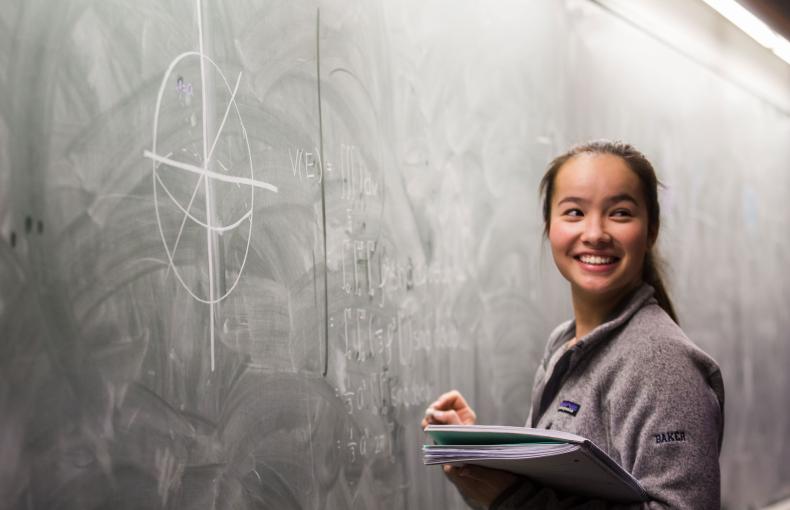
[(596, 260)]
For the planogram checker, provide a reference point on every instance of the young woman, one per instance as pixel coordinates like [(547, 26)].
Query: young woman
[(621, 373)]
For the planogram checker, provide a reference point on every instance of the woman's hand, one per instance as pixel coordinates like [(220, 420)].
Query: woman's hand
[(449, 409), (478, 485)]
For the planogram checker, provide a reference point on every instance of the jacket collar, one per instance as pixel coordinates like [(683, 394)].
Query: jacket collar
[(638, 298)]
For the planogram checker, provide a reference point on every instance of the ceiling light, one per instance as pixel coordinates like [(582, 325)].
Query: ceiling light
[(753, 26)]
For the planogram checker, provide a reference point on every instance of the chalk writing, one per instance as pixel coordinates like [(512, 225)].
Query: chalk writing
[(306, 164), (357, 180)]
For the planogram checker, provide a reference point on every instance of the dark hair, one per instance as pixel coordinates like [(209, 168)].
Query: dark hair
[(639, 164)]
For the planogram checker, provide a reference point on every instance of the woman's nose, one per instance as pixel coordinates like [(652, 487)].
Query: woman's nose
[(595, 232)]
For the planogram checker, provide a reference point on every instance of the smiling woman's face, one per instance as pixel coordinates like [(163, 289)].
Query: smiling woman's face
[(598, 228)]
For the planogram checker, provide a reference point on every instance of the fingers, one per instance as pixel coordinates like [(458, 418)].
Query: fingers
[(434, 416), (453, 474), (454, 401), (493, 479), (464, 471), (478, 485), (479, 474), (448, 417), (449, 409), (428, 419), (450, 400), (453, 471), (468, 473)]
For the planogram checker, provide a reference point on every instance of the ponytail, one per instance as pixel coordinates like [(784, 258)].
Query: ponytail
[(652, 274)]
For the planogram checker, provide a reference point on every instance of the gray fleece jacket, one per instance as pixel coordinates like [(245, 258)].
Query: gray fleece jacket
[(640, 390)]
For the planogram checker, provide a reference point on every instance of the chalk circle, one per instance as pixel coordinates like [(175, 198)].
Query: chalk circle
[(185, 210)]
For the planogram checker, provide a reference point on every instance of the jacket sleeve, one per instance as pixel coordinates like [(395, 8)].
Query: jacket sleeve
[(665, 421)]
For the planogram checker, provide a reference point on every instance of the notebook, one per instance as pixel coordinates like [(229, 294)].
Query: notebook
[(555, 459)]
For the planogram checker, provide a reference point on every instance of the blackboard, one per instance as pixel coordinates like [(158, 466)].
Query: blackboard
[(244, 244)]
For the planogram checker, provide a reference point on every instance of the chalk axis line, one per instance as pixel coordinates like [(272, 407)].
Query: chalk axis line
[(204, 176)]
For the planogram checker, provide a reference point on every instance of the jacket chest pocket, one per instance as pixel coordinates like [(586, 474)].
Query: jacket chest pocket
[(565, 414)]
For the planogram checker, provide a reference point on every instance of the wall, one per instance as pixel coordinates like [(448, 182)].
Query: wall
[(265, 329)]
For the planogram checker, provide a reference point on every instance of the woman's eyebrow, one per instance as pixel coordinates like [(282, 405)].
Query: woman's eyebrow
[(622, 197), (577, 200)]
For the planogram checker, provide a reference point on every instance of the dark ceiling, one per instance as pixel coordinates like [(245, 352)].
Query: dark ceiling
[(775, 13)]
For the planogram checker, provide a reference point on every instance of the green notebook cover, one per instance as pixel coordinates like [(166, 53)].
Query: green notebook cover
[(491, 434)]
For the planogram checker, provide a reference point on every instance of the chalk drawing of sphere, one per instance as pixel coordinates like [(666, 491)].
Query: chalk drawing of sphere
[(180, 172)]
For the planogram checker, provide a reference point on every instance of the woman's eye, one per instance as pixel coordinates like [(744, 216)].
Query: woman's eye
[(622, 213), (573, 213)]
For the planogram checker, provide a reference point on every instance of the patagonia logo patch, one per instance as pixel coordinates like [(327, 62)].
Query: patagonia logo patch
[(670, 437), (569, 407)]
